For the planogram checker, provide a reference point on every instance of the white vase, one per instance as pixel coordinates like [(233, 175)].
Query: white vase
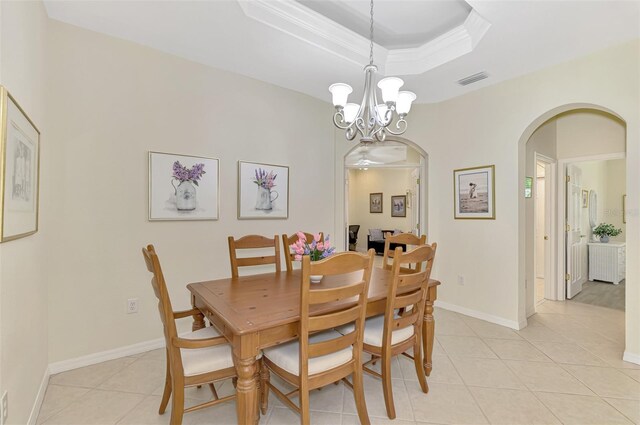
[(265, 198), (186, 196), (315, 278)]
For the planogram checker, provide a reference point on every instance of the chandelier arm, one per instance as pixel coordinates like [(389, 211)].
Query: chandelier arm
[(339, 123), (401, 128), (381, 135)]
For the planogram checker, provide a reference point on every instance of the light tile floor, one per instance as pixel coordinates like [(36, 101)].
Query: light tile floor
[(565, 367)]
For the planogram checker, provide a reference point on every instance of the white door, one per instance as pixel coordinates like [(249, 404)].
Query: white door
[(574, 264)]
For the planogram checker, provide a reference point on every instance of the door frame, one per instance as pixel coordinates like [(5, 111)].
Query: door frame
[(550, 284), (562, 210)]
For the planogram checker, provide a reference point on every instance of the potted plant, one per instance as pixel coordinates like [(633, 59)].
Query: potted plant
[(316, 250), (604, 230)]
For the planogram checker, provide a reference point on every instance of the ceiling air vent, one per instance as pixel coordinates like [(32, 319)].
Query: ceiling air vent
[(473, 78)]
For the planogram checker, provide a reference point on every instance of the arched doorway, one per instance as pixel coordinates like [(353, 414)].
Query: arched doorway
[(393, 173), (559, 233)]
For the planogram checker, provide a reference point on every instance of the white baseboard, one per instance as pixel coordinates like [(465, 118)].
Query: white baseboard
[(482, 316), (103, 356), (631, 357), (35, 410)]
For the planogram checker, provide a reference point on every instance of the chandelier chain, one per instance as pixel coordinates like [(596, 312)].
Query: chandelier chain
[(371, 36)]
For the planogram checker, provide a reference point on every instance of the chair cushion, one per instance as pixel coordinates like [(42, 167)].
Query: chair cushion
[(203, 360), (287, 355), (373, 328), (376, 234)]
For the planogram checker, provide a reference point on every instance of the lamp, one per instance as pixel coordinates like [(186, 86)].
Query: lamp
[(371, 119)]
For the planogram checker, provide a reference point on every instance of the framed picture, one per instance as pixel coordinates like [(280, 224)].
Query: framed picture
[(263, 191), (624, 209), (183, 187), (528, 186), (375, 203), (474, 193), (399, 206), (585, 198), (19, 170)]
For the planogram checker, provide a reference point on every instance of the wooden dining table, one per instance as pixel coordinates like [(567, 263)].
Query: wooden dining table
[(259, 311)]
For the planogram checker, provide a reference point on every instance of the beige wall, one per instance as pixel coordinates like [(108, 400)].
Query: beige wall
[(23, 262), (389, 181), (112, 101), (498, 120)]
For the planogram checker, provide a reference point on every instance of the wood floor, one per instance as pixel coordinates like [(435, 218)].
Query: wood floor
[(602, 294)]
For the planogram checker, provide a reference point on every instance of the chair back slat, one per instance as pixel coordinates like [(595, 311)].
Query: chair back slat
[(327, 347), (287, 241), (409, 289), (354, 294), (335, 294), (333, 320), (408, 239), (253, 242), (256, 261)]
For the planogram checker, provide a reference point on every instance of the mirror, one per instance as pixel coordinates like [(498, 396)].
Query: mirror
[(593, 208)]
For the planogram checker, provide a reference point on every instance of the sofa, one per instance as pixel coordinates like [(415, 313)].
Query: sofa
[(378, 245)]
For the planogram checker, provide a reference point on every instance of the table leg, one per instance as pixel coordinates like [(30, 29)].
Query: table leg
[(198, 319), (247, 391), (428, 330)]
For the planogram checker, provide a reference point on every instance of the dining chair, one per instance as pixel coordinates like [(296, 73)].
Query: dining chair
[(400, 328), (193, 359), (287, 241), (404, 239), (322, 356), (253, 242)]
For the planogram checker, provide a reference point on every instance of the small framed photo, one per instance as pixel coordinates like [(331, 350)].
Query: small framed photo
[(399, 206), (183, 187), (263, 191), (375, 203), (474, 193), (528, 187), (585, 198), (19, 170)]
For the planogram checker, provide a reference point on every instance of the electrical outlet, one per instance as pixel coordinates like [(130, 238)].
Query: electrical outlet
[(4, 406), (460, 280), (132, 305)]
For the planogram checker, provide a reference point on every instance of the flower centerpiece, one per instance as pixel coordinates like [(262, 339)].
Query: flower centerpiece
[(604, 230), (185, 191), (316, 249)]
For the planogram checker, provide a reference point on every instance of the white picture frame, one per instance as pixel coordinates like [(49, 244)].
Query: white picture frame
[(171, 198), (260, 194)]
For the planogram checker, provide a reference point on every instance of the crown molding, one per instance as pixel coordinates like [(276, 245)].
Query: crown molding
[(300, 22), (449, 46)]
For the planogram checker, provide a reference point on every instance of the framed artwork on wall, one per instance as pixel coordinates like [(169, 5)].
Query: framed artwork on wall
[(528, 187), (183, 187), (585, 198), (19, 170), (474, 193), (399, 206), (375, 203), (263, 191)]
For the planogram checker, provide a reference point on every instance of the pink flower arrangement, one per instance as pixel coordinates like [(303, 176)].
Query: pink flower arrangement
[(264, 179), (316, 249)]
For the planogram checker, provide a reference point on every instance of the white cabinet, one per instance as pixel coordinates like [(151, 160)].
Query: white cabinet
[(607, 261)]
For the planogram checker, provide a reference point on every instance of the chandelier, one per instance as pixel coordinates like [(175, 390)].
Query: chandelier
[(371, 119)]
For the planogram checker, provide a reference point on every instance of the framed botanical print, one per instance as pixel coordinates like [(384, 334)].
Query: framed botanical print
[(474, 193), (183, 187), (399, 206), (19, 170), (585, 198), (375, 203), (263, 191)]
